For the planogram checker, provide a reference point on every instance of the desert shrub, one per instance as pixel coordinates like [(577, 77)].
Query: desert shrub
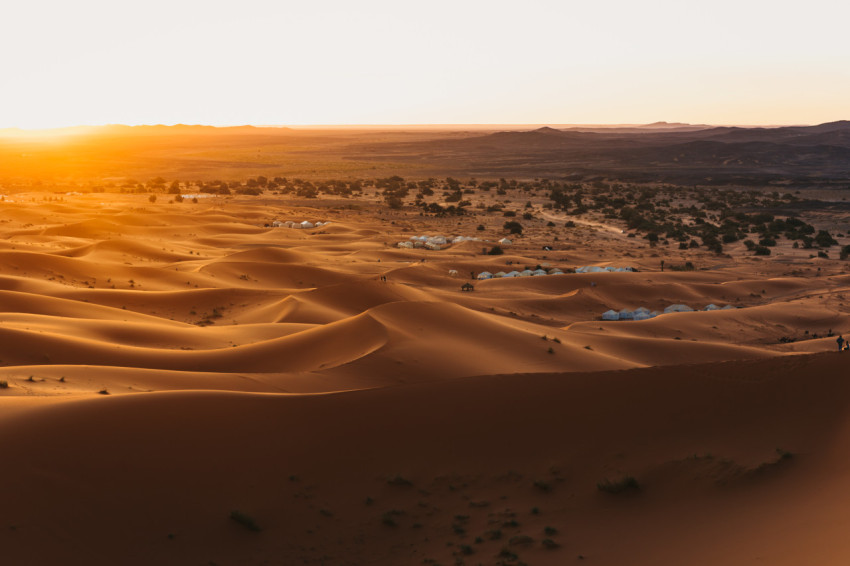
[(496, 250), (245, 520), (687, 266), (4, 384), (627, 483), (399, 481), (762, 250), (520, 540)]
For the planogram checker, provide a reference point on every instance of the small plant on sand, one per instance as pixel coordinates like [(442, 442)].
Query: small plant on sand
[(550, 531), (4, 384), (549, 543), (466, 550), (245, 520), (399, 481), (784, 454), (550, 350), (389, 518), (103, 391), (627, 483), (543, 485), (520, 540)]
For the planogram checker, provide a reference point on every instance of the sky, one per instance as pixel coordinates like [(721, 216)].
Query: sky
[(264, 62)]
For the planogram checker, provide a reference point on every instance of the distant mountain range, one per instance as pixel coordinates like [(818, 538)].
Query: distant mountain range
[(660, 151)]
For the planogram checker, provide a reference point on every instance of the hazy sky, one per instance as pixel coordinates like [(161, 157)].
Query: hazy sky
[(399, 62)]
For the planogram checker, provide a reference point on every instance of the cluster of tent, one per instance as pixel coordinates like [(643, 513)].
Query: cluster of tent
[(301, 225), (524, 273), (434, 242), (597, 269), (643, 313), (196, 195)]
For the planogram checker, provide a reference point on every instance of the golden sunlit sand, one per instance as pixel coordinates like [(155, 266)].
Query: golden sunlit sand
[(185, 383)]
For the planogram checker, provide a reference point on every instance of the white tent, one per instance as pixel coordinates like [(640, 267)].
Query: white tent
[(711, 307), (453, 272), (728, 307), (626, 314), (405, 244), (589, 269), (525, 273), (641, 310), (499, 274), (307, 224), (556, 271), (611, 315), (433, 245), (642, 316), (505, 242), (537, 272), (678, 308), (485, 275), (511, 274)]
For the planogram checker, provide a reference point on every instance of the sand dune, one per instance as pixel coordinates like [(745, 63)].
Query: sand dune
[(479, 455), (165, 364)]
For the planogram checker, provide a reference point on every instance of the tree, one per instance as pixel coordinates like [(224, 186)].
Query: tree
[(513, 227)]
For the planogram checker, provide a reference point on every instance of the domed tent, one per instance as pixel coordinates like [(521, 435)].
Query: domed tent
[(711, 307), (626, 314), (678, 308), (307, 224), (485, 275), (611, 315)]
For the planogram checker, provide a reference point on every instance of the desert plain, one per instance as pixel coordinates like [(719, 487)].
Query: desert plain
[(185, 378)]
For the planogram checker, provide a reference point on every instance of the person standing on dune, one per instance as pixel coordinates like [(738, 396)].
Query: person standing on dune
[(840, 341)]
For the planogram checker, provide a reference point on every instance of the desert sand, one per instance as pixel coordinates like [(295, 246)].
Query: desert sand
[(187, 384)]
